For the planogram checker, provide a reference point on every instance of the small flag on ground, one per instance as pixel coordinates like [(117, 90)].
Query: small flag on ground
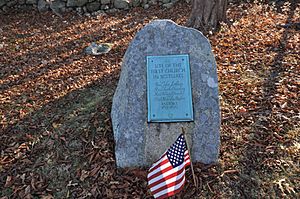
[(167, 176)]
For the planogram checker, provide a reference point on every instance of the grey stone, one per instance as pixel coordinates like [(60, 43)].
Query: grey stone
[(79, 10), (121, 4), (112, 10), (43, 5), (165, 1), (58, 7), (5, 9), (12, 3), (146, 6), (31, 1), (136, 3), (76, 3), (98, 49), (21, 2), (99, 13), (84, 9), (153, 2), (168, 5), (139, 143), (2, 2), (104, 2), (104, 7), (92, 7)]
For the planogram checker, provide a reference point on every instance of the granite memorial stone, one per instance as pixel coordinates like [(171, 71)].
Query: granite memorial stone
[(139, 142)]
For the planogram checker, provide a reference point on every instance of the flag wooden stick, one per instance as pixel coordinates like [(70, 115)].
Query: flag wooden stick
[(188, 148)]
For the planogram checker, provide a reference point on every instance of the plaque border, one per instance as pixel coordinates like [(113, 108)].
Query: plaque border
[(187, 119)]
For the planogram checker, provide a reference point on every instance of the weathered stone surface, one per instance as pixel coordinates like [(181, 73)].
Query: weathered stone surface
[(146, 6), (21, 2), (2, 2), (93, 7), (153, 2), (104, 7), (43, 5), (139, 143), (168, 5), (136, 3), (12, 3), (31, 1), (121, 4), (76, 3), (104, 2), (58, 6)]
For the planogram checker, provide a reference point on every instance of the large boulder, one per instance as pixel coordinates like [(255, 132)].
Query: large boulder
[(140, 143)]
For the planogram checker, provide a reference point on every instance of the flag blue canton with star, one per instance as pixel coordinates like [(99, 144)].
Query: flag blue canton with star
[(176, 152)]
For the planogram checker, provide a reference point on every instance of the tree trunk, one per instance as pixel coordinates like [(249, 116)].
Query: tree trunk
[(206, 15)]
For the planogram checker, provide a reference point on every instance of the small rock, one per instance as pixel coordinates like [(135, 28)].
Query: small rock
[(113, 10), (58, 7), (146, 6), (79, 10), (2, 2), (95, 49), (76, 3), (31, 1), (92, 7), (136, 3), (84, 9), (168, 5), (121, 4), (21, 2), (11, 3), (43, 5), (5, 9), (99, 13), (87, 14), (104, 2), (153, 2), (104, 7)]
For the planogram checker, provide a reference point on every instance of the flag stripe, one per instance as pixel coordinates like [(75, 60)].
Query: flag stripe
[(165, 168), (163, 159), (169, 179), (169, 191), (164, 173), (168, 185)]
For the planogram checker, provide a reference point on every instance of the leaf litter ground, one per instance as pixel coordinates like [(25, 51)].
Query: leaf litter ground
[(56, 135)]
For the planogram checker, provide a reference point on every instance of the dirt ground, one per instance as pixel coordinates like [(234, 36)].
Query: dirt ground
[(55, 128)]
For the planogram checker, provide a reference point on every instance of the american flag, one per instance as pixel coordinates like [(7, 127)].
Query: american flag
[(167, 176)]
